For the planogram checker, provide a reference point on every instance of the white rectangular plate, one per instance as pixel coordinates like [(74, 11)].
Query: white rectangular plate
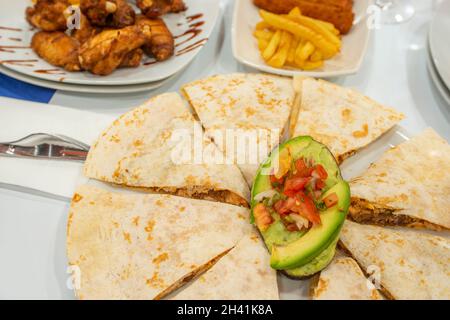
[(348, 61), (12, 15)]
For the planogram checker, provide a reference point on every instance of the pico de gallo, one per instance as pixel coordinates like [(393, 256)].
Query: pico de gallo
[(296, 195)]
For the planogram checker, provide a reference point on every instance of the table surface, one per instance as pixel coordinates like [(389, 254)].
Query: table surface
[(394, 72)]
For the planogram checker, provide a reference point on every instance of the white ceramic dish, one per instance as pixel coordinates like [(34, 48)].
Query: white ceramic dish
[(85, 88), (12, 16), (348, 61), (439, 41), (435, 76)]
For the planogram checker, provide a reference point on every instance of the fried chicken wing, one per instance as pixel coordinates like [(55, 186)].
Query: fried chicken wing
[(85, 31), (338, 12), (48, 15), (103, 53), (162, 43), (156, 8), (57, 48), (132, 59), (108, 13)]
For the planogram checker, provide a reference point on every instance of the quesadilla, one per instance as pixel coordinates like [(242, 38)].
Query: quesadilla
[(253, 106), (160, 147), (341, 118), (343, 280), (143, 246), (242, 274), (408, 264), (408, 186)]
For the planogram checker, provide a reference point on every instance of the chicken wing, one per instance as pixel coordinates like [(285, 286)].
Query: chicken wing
[(156, 8), (57, 48), (85, 31), (48, 15), (108, 13), (103, 53), (132, 59), (162, 43)]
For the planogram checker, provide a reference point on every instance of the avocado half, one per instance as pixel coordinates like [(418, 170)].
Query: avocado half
[(301, 254)]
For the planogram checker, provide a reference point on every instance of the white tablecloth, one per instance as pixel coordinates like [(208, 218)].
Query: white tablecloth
[(32, 228)]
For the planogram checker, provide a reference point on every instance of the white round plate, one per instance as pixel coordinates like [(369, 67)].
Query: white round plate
[(440, 85), (348, 61), (439, 41), (82, 88), (199, 11)]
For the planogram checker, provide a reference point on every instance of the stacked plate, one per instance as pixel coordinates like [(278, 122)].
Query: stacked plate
[(17, 60), (438, 50)]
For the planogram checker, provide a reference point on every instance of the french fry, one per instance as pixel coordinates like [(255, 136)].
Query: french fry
[(297, 59), (272, 46), (306, 51), (319, 28), (262, 25), (280, 57), (292, 49), (279, 22), (316, 56), (295, 12), (262, 44), (309, 65), (263, 34)]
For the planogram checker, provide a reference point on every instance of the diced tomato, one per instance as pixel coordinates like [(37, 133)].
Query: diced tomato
[(331, 200), (275, 182), (262, 216), (300, 164), (320, 184), (295, 184), (321, 172), (284, 206), (302, 169), (305, 207)]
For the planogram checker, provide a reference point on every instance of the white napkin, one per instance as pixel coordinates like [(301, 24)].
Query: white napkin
[(19, 118)]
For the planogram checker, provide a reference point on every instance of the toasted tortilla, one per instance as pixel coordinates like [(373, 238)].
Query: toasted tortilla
[(144, 246), (408, 263), (343, 280), (341, 118), (157, 146), (244, 273), (249, 103), (408, 186)]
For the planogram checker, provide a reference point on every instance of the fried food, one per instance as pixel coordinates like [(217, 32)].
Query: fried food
[(295, 40), (162, 43), (108, 13), (85, 31), (156, 8), (48, 15), (337, 12), (132, 59), (57, 48), (103, 53)]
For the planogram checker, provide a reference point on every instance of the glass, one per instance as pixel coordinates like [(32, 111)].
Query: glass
[(395, 11)]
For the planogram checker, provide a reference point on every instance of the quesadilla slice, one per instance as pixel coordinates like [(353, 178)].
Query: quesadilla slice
[(408, 186), (144, 246), (245, 114), (244, 273), (408, 264), (341, 118), (343, 280), (160, 147)]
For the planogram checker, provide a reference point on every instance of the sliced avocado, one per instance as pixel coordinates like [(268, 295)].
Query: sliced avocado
[(318, 238), (304, 253)]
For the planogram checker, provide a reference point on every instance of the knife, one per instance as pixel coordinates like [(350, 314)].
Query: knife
[(43, 151)]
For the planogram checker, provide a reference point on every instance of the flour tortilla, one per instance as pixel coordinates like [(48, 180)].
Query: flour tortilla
[(410, 264), (246, 103), (341, 118), (242, 274), (344, 280), (408, 186), (144, 149), (143, 246)]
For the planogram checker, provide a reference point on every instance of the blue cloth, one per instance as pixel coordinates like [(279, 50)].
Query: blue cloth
[(13, 88)]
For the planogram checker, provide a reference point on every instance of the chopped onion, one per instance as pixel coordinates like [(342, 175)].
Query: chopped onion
[(301, 222), (265, 194)]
